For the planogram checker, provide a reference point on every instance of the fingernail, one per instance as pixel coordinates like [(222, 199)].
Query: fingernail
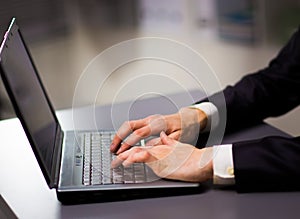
[(121, 149), (118, 152), (163, 134), (112, 149)]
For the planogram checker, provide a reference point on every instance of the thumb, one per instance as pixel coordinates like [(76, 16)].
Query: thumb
[(166, 140), (153, 142)]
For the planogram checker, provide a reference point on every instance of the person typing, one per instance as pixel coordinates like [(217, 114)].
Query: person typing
[(268, 164)]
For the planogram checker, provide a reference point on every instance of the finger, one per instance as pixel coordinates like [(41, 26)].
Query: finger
[(120, 159), (167, 140), (175, 135), (157, 141), (125, 129), (153, 142), (137, 157), (116, 162), (135, 137), (135, 154)]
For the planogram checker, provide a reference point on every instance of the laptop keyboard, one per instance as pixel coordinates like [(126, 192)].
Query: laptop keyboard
[(97, 162)]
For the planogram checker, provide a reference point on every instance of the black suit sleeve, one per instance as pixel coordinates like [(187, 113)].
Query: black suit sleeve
[(268, 164), (272, 163)]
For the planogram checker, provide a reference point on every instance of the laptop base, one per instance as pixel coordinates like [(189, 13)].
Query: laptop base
[(101, 196)]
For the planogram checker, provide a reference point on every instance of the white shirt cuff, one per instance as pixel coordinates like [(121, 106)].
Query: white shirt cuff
[(223, 165), (212, 114)]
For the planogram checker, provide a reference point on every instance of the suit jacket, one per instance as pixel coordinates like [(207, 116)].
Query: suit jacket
[(272, 163)]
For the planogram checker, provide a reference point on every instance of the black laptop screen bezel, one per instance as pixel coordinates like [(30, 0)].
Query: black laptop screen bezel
[(50, 170)]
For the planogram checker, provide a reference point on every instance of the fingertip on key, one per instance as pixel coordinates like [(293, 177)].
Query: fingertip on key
[(112, 147)]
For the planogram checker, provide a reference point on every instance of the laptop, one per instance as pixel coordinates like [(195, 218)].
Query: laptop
[(75, 163)]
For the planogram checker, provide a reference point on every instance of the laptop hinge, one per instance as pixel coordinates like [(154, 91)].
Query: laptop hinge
[(56, 159)]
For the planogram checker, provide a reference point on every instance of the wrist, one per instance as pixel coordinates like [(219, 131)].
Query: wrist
[(205, 164), (210, 112), (201, 117), (173, 122), (198, 115)]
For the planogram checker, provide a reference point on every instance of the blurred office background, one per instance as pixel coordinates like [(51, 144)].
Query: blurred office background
[(236, 37)]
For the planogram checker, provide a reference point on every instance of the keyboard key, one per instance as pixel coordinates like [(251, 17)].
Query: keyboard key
[(128, 178), (97, 162), (106, 179), (118, 180)]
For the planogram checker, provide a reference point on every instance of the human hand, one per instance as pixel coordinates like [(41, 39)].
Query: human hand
[(171, 160), (184, 126)]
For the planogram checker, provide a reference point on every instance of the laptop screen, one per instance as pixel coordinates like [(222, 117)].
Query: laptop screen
[(28, 96)]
